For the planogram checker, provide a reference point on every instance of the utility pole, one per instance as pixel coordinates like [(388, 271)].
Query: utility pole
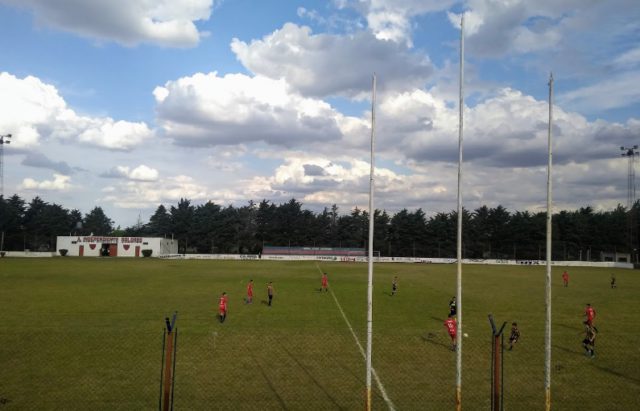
[(4, 139)]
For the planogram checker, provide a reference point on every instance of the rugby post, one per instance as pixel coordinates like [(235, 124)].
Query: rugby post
[(459, 243), (370, 266), (547, 331)]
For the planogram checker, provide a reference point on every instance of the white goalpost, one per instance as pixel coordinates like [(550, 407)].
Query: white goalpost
[(370, 253)]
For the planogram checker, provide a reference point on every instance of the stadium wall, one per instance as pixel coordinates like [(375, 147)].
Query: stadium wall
[(30, 254), (606, 264)]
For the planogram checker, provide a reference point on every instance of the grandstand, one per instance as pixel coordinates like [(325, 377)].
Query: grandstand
[(333, 251)]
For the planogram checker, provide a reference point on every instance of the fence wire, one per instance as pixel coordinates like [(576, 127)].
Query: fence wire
[(309, 369)]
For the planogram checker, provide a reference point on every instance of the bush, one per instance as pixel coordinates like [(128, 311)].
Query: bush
[(63, 252), (2, 253), (147, 252)]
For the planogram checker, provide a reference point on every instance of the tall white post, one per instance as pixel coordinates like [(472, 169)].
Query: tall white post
[(459, 245), (371, 219), (547, 333)]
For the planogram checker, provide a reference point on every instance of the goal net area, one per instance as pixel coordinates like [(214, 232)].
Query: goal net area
[(333, 251)]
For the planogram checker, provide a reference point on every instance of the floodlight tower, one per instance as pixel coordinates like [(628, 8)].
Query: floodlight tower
[(631, 153), (4, 139)]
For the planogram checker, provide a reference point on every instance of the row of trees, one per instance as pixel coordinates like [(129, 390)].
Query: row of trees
[(212, 228)]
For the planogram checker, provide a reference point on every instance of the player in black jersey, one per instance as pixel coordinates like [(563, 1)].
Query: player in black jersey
[(589, 342), (514, 336)]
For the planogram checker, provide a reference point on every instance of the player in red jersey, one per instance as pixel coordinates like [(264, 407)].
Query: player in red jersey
[(222, 307), (590, 313), (249, 299), (565, 279), (452, 329), (325, 282)]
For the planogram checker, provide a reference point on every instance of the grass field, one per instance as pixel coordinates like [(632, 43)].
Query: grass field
[(86, 334)]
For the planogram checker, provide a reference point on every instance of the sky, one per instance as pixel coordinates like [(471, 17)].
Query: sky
[(129, 104)]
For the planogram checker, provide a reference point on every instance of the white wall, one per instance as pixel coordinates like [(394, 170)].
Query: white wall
[(125, 246), (394, 260)]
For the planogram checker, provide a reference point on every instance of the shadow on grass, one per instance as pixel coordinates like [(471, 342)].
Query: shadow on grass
[(608, 370), (571, 327), (375, 390), (431, 338), (310, 375), (578, 353), (266, 378)]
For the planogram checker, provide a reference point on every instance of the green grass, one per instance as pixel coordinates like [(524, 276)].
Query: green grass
[(84, 333)]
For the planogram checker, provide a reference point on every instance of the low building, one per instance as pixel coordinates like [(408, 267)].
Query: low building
[(98, 246), (615, 256)]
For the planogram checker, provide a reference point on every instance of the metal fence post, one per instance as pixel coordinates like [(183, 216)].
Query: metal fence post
[(497, 365)]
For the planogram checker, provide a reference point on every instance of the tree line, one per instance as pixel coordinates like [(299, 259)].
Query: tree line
[(211, 228)]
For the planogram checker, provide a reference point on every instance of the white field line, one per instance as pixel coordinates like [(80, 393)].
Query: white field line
[(355, 337)]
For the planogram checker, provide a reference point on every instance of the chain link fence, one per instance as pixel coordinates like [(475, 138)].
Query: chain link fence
[(219, 367)]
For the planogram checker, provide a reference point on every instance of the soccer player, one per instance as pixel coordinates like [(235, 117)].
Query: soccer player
[(452, 307), (325, 282), (514, 336), (452, 329), (394, 285), (249, 299), (222, 307), (590, 313), (613, 281), (270, 292), (589, 342), (565, 279)]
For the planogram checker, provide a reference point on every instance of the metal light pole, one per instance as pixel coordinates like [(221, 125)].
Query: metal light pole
[(631, 153), (5, 139)]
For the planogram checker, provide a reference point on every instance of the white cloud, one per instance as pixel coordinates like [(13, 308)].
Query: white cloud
[(140, 173), (34, 111), (505, 147), (391, 19), (612, 92), (505, 131), (59, 183), (344, 182), (149, 194), (144, 173), (129, 22), (628, 59), (571, 27), (225, 158), (326, 64), (117, 135), (205, 109)]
